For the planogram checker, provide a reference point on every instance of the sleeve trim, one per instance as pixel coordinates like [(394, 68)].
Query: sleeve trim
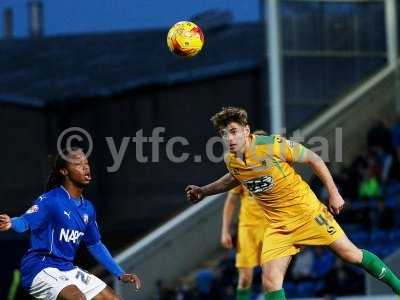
[(264, 139)]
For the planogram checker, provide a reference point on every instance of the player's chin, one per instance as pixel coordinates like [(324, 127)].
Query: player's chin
[(83, 183), (233, 149), (86, 181)]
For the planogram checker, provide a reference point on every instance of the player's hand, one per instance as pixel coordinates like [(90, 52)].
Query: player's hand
[(336, 203), (133, 279), (226, 240), (5, 222), (194, 193)]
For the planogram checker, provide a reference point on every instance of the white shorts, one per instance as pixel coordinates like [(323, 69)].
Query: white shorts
[(49, 282)]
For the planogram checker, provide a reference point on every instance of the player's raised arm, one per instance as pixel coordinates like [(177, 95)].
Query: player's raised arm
[(320, 169), (17, 224), (195, 193), (33, 218), (5, 222)]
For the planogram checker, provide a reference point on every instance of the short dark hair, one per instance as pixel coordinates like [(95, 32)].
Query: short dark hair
[(228, 115)]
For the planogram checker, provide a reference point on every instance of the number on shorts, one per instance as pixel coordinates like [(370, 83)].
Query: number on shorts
[(322, 221), (84, 277)]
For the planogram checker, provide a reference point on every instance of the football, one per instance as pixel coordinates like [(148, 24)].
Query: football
[(185, 39)]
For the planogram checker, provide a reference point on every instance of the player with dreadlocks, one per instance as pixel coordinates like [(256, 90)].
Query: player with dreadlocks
[(58, 221)]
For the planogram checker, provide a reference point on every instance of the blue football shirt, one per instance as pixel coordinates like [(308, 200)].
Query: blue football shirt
[(58, 224)]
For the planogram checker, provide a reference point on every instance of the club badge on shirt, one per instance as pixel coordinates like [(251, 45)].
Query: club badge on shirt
[(85, 218), (292, 144)]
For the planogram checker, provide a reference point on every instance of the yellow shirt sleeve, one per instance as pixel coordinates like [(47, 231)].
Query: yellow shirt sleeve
[(227, 159), (288, 150)]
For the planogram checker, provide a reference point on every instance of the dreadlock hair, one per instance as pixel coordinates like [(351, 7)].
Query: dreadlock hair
[(60, 161)]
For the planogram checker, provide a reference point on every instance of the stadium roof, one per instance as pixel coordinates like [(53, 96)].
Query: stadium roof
[(36, 71)]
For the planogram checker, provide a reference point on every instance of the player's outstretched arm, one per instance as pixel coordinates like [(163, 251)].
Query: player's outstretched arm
[(17, 224), (5, 222), (320, 169), (195, 193)]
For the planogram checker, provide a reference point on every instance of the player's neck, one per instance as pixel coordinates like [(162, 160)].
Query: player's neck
[(245, 149), (72, 189), (247, 145)]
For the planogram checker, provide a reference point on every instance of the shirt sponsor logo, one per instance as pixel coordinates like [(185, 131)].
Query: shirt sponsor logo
[(260, 185), (33, 209), (69, 235)]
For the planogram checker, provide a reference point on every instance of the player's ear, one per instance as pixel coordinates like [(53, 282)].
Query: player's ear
[(247, 130), (64, 171)]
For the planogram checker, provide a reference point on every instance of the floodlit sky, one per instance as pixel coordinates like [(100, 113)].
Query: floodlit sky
[(72, 16)]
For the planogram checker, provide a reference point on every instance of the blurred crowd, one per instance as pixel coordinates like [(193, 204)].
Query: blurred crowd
[(371, 187)]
